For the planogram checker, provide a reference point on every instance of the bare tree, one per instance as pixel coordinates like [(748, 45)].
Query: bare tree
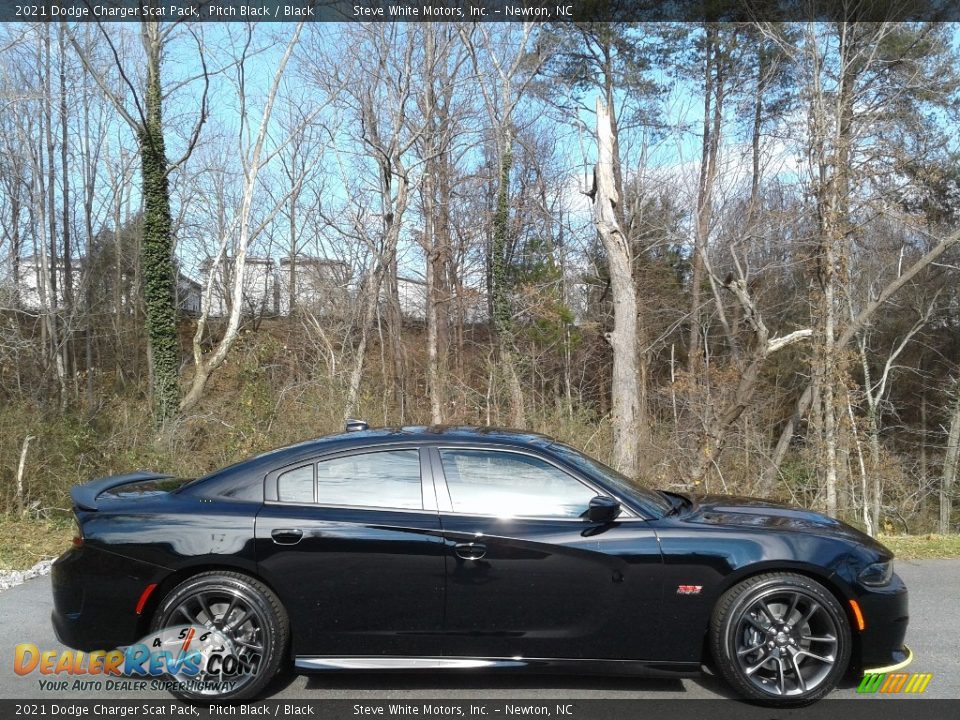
[(623, 338), (511, 77), (715, 431), (875, 393), (253, 158), (378, 93)]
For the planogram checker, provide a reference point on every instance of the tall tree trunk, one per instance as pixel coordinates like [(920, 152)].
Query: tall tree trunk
[(433, 364), (428, 193), (68, 300), (431, 209), (950, 464), (835, 232), (502, 304), (89, 188), (157, 250), (826, 378), (758, 98), (871, 491), (623, 338), (57, 342), (712, 116), (923, 445), (369, 315), (394, 315), (292, 270)]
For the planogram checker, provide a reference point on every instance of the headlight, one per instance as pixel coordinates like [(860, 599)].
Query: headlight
[(877, 574)]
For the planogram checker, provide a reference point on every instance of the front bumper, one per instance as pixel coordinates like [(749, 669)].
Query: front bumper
[(886, 615)]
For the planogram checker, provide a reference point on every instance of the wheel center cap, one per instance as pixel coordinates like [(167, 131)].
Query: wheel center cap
[(781, 638)]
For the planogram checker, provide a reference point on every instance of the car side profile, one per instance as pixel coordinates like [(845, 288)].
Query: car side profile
[(474, 548)]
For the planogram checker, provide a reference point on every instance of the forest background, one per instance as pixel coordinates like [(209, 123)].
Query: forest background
[(721, 257)]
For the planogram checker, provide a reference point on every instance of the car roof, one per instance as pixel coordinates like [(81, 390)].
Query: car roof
[(420, 434), (415, 434)]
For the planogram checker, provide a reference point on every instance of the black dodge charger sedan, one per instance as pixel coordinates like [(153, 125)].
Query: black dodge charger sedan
[(467, 548)]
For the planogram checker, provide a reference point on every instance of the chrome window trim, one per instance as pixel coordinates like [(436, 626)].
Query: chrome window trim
[(364, 508)]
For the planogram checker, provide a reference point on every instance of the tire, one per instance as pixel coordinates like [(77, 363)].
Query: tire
[(231, 610), (780, 639)]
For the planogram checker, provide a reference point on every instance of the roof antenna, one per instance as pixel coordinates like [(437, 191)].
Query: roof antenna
[(356, 425)]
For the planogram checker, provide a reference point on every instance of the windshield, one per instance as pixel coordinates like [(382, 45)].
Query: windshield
[(654, 502)]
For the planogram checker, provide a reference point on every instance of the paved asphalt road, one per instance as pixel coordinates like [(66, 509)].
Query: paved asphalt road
[(933, 635)]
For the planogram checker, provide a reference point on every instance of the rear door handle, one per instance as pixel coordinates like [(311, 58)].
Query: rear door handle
[(470, 551), (287, 536)]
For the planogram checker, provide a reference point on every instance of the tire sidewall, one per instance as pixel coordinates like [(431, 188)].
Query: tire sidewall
[(730, 664), (269, 612)]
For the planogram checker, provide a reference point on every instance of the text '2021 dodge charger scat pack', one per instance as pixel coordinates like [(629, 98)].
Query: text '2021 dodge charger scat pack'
[(466, 548)]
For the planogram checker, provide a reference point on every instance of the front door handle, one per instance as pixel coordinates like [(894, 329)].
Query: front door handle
[(470, 551), (287, 536)]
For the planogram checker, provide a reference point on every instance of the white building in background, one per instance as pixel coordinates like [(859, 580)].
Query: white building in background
[(189, 295), (412, 292), (259, 286), (31, 288), (319, 285), (413, 298)]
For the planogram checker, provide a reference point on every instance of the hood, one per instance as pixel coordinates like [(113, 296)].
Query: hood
[(763, 514)]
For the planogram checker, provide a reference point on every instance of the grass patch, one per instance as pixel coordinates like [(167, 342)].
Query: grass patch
[(921, 547), (24, 543)]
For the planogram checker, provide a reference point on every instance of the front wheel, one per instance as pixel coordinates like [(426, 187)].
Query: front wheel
[(234, 626), (780, 639)]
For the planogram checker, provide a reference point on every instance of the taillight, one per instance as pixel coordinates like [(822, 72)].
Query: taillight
[(77, 533)]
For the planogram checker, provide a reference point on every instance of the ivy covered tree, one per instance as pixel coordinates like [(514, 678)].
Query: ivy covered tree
[(156, 259)]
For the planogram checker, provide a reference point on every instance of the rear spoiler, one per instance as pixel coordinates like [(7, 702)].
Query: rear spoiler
[(85, 496)]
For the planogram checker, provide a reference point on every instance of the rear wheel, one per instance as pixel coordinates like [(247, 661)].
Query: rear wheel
[(780, 638), (237, 629)]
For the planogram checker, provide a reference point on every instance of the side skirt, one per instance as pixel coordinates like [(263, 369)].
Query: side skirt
[(324, 663)]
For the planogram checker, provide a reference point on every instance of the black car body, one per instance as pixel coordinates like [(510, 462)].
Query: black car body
[(413, 548)]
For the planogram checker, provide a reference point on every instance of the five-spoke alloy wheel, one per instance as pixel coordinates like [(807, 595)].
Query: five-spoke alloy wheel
[(780, 638)]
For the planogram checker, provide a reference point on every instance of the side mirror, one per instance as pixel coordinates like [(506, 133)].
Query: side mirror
[(603, 509)]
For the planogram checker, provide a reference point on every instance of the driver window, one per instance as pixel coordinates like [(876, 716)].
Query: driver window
[(505, 484)]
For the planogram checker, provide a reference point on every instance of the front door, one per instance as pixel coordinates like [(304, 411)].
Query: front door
[(527, 574), (348, 545)]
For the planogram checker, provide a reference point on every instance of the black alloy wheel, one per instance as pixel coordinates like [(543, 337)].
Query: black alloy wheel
[(241, 620), (781, 638)]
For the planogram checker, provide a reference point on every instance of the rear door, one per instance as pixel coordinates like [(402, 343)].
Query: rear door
[(527, 575), (352, 545)]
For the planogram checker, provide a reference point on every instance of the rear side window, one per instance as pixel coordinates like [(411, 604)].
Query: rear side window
[(379, 479), (296, 485), (386, 479)]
